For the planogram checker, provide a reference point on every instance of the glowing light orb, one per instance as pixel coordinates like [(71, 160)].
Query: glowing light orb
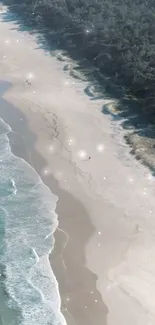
[(149, 177), (45, 172), (144, 192), (34, 91), (17, 41), (4, 56), (82, 154), (7, 41), (99, 232), (51, 148), (71, 141), (130, 180), (30, 76), (100, 147)]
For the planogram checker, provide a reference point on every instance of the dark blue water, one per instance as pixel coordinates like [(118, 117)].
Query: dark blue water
[(28, 288)]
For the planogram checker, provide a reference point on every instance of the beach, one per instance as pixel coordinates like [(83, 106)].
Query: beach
[(103, 257)]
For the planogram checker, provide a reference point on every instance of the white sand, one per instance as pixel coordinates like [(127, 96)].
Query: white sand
[(117, 191)]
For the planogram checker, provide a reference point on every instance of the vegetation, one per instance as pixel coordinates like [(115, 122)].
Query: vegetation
[(116, 36)]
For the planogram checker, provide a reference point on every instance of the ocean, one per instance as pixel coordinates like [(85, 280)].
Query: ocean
[(29, 292)]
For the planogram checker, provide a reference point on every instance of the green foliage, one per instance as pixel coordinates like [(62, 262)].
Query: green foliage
[(117, 36)]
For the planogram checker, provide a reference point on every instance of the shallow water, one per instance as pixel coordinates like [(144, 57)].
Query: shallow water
[(28, 288)]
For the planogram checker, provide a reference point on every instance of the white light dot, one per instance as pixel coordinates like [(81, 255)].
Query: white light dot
[(99, 232), (85, 307), (100, 147), (58, 175), (30, 75), (130, 179), (17, 41), (96, 300), (99, 244), (51, 148), (145, 191), (46, 172), (150, 211), (4, 56), (92, 292), (68, 299), (82, 154), (149, 177), (7, 41), (104, 178), (34, 91), (66, 82), (71, 141)]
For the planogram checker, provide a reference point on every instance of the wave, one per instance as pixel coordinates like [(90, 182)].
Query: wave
[(28, 288)]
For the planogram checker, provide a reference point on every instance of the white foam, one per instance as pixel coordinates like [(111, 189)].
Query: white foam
[(14, 186), (31, 220)]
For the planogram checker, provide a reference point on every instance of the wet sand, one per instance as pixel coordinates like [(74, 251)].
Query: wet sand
[(111, 226), (81, 301)]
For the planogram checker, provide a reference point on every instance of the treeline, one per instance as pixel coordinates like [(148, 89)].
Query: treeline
[(117, 36)]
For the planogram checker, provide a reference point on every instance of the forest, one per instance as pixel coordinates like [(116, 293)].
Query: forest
[(116, 36)]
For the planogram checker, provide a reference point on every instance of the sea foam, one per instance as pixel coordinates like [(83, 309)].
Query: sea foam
[(29, 292)]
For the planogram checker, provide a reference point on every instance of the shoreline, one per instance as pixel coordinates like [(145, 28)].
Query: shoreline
[(71, 294), (116, 191)]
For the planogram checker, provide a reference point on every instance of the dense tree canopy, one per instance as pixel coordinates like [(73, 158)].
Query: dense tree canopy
[(117, 36)]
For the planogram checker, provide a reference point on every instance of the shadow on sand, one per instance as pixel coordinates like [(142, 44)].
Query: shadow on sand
[(98, 86)]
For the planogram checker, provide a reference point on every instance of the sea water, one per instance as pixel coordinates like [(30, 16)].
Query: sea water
[(28, 288)]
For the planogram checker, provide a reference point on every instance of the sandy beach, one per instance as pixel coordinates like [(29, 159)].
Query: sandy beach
[(104, 251)]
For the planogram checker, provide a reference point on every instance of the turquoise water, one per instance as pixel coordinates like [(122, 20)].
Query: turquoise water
[(28, 288)]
